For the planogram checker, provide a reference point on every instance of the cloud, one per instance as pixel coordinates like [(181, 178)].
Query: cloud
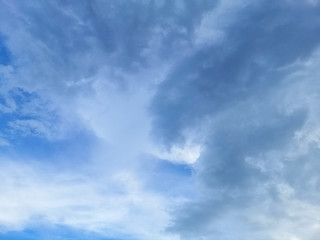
[(161, 119), (111, 206), (81, 79), (188, 154), (241, 91)]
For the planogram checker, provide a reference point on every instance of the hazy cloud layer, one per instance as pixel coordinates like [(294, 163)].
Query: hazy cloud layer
[(158, 119)]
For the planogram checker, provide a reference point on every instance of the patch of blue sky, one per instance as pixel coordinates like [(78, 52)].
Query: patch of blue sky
[(27, 142), (54, 233), (76, 148), (5, 55), (175, 168), (172, 179), (13, 101)]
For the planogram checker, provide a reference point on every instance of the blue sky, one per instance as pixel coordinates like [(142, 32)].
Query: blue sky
[(159, 120)]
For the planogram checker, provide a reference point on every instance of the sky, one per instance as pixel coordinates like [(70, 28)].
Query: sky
[(160, 120)]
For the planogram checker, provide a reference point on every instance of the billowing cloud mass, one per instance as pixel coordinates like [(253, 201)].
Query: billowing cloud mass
[(160, 119)]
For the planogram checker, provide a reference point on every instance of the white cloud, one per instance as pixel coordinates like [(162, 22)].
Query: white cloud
[(4, 142), (187, 154), (78, 84), (111, 206), (30, 127), (213, 24), (97, 74)]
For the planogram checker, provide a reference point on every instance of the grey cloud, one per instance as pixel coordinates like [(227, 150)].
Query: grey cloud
[(266, 37), (61, 49), (244, 134), (238, 86), (73, 40), (232, 184)]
